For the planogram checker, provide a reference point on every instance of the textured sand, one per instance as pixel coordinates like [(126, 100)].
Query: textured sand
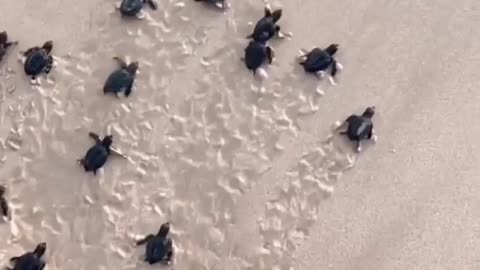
[(246, 171)]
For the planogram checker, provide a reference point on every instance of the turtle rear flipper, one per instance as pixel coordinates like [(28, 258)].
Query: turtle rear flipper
[(153, 4)]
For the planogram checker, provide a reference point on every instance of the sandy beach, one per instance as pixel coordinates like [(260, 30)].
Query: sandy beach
[(248, 171)]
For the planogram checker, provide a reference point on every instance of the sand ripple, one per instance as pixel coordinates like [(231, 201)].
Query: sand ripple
[(199, 132)]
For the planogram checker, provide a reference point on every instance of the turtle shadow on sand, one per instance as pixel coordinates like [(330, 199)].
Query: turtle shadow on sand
[(98, 154), (30, 260), (358, 128)]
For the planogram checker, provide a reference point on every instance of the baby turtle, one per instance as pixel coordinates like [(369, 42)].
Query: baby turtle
[(130, 8), (359, 127), (121, 80), (218, 3), (266, 27), (38, 60), (3, 201), (256, 53), (318, 60), (159, 247), (5, 44), (30, 260), (98, 154)]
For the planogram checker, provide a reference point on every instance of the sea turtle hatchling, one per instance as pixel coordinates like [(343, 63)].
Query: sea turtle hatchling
[(121, 80), (359, 127), (218, 3), (266, 27), (3, 201), (159, 247), (30, 260), (131, 8), (38, 60), (98, 154), (5, 44), (318, 60), (256, 54)]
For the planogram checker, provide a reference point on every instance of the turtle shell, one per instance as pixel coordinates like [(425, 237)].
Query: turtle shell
[(28, 261), (264, 29), (359, 127), (118, 81), (255, 55), (317, 60), (96, 157), (157, 249), (36, 62), (131, 7)]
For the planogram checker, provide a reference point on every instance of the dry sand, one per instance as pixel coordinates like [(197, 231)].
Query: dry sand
[(244, 169)]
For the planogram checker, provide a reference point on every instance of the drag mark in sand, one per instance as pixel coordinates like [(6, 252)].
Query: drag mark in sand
[(289, 217)]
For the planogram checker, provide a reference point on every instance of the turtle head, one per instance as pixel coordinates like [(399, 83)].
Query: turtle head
[(276, 15), (48, 46), (3, 37), (332, 49), (40, 249), (132, 68), (369, 112), (164, 229), (2, 190), (107, 141)]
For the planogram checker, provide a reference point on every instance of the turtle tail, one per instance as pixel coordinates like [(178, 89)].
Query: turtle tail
[(249, 36)]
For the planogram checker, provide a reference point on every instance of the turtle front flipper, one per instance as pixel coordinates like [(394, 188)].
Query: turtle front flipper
[(29, 51), (153, 4), (270, 54), (95, 137), (12, 43), (120, 62), (334, 68), (14, 259), (128, 90), (268, 12), (49, 65), (144, 240), (4, 206)]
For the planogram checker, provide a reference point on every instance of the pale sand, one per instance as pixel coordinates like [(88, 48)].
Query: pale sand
[(244, 173)]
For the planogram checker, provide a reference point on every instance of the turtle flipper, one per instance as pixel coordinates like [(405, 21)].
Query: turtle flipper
[(334, 68), (359, 146), (270, 55), (120, 62), (268, 12), (128, 91), (12, 43), (95, 137), (49, 65), (153, 4), (144, 240), (4, 206)]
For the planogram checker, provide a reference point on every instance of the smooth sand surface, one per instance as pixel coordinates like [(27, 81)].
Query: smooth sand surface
[(246, 170)]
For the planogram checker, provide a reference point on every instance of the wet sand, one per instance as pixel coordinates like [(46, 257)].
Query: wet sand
[(246, 170)]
